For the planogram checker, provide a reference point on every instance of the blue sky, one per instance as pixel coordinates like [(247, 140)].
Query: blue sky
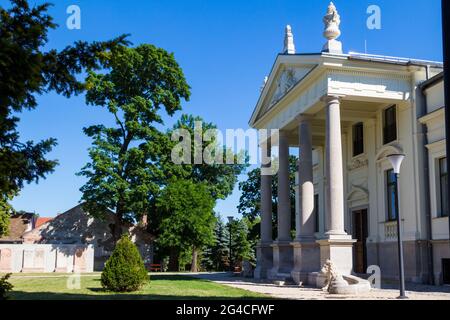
[(225, 49)]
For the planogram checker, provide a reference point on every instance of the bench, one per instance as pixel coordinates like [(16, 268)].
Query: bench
[(154, 267)]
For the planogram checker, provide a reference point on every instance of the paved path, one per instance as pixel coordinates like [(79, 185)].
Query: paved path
[(414, 292)]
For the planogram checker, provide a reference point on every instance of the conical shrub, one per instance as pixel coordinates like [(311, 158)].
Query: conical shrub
[(124, 270)]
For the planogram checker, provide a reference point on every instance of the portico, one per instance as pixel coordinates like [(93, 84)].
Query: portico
[(314, 100)]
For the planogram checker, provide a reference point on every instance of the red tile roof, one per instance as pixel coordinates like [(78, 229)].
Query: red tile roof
[(18, 226), (41, 221)]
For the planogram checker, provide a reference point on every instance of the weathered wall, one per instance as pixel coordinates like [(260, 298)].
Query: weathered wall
[(46, 258)]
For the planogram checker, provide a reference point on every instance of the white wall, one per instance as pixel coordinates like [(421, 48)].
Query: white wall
[(46, 258), (435, 97)]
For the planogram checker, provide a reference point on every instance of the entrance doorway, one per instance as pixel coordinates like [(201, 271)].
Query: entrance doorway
[(360, 233)]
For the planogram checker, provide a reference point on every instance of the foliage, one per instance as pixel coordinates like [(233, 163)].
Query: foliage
[(26, 70), (187, 218), (124, 270), (250, 200), (5, 286), (220, 178), (216, 255), (124, 174), (240, 246), (5, 212)]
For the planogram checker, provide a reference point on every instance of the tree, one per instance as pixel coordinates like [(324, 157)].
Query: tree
[(124, 175), (216, 255), (219, 177), (124, 270), (250, 200), (5, 212), (240, 246), (26, 70), (187, 219)]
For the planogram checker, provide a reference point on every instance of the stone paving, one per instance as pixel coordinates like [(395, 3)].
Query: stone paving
[(389, 291)]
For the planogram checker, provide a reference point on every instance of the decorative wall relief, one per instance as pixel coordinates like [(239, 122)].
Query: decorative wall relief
[(358, 163)]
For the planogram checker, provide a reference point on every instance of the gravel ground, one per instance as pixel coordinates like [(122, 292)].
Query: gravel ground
[(389, 291)]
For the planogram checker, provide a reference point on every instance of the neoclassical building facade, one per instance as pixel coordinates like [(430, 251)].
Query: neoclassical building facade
[(345, 113)]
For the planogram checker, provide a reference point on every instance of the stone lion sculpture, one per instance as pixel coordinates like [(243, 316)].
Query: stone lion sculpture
[(332, 277)]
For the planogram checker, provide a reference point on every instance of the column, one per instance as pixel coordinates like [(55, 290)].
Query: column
[(306, 250), (306, 184), (334, 169), (337, 246), (282, 248), (264, 251), (284, 202)]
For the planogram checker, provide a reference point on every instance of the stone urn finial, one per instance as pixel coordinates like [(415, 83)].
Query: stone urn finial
[(332, 21), (289, 46)]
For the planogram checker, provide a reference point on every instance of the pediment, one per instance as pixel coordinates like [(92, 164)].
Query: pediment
[(282, 80)]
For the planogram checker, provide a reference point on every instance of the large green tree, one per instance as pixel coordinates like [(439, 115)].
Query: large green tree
[(124, 174), (27, 69), (250, 200), (187, 219), (219, 176)]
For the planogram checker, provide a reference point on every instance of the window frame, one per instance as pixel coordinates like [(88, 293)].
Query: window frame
[(358, 144), (443, 197), (391, 186), (390, 133)]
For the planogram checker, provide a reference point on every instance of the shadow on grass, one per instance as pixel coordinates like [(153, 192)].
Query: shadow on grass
[(99, 293), (20, 295)]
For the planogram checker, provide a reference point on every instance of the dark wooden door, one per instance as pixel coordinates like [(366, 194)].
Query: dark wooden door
[(360, 233)]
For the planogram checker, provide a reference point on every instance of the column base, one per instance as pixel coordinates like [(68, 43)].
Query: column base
[(264, 258), (338, 249), (282, 260), (306, 260)]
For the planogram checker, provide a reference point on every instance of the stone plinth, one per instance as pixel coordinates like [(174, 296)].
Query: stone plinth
[(282, 260), (333, 46), (306, 260), (264, 254), (338, 249)]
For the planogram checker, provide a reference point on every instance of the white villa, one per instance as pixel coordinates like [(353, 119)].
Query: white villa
[(346, 113)]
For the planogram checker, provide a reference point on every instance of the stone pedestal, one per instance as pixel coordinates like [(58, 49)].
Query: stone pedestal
[(338, 249), (282, 260), (333, 46), (306, 260), (264, 257)]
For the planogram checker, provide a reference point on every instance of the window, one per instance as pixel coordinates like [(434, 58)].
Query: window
[(358, 139), (390, 125), (446, 271), (443, 186), (316, 213), (391, 195)]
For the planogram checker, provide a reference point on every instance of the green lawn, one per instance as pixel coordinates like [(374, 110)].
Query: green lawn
[(48, 287)]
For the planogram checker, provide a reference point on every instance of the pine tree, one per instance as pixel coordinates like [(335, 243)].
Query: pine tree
[(240, 246), (216, 256)]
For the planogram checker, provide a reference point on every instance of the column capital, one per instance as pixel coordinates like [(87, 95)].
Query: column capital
[(331, 97)]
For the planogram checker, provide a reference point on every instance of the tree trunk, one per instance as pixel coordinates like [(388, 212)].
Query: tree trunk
[(194, 260), (117, 228), (174, 264)]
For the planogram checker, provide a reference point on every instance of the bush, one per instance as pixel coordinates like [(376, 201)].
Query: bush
[(124, 270), (5, 286)]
